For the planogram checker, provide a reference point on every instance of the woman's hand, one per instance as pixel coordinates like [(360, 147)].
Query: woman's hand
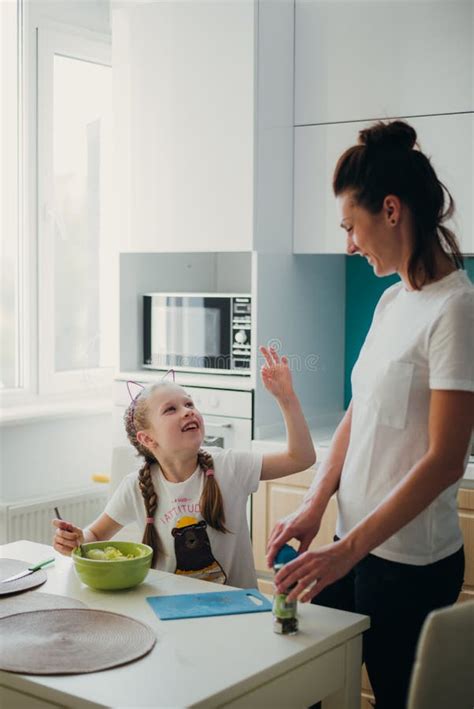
[(314, 570), (67, 537), (302, 525), (276, 375)]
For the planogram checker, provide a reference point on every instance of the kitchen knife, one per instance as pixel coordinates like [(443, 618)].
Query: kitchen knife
[(29, 570)]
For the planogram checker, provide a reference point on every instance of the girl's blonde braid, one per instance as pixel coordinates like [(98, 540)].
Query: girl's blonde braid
[(150, 535), (211, 502)]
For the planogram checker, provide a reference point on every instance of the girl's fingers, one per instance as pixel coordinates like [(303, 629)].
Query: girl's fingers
[(271, 356), (62, 524), (66, 535), (69, 542), (266, 354), (62, 548), (274, 353)]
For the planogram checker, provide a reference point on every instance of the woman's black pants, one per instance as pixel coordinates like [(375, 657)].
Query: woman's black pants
[(397, 597)]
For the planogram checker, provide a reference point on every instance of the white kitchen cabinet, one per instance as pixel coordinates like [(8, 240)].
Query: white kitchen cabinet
[(362, 60), (316, 223), (448, 140), (204, 113)]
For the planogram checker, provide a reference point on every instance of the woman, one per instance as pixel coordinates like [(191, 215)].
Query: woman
[(399, 453)]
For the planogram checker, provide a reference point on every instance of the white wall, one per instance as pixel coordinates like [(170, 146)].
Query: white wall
[(53, 456)]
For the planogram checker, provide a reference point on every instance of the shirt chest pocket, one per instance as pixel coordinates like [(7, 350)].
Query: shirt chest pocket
[(386, 390)]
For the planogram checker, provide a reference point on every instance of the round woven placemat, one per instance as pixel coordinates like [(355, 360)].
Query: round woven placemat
[(10, 567), (71, 641), (36, 601)]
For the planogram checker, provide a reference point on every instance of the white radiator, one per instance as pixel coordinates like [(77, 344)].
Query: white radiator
[(31, 519)]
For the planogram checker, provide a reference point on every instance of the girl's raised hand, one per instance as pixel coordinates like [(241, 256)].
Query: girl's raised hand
[(276, 375)]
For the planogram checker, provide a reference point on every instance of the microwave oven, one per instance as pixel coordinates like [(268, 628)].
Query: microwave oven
[(197, 332)]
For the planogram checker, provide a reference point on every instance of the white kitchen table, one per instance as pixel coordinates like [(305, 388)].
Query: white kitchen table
[(228, 661)]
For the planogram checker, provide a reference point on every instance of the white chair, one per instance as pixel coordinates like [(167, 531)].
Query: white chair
[(443, 674)]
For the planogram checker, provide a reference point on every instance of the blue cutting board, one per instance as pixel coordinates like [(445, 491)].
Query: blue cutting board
[(201, 605)]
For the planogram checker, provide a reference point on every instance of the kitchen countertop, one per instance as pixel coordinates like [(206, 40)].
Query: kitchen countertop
[(236, 660), (322, 437)]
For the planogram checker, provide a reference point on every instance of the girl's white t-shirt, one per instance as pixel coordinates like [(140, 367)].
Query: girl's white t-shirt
[(418, 341), (191, 547)]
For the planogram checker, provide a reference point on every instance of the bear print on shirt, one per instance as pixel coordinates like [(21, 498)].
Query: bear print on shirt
[(193, 551)]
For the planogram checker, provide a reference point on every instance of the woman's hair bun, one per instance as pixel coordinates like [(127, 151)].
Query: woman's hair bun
[(396, 135)]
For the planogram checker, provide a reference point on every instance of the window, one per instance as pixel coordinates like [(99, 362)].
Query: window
[(59, 263), (76, 255)]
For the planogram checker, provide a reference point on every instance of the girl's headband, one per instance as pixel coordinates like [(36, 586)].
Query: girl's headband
[(170, 371), (134, 398)]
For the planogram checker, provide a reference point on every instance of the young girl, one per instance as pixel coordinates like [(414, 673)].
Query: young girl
[(192, 501)]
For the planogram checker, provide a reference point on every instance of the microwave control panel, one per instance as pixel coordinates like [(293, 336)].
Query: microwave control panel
[(241, 333)]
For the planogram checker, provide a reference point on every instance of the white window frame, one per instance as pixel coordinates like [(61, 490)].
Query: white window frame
[(26, 267), (51, 41)]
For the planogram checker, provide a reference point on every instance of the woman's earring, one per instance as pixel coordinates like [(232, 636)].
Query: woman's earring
[(393, 222)]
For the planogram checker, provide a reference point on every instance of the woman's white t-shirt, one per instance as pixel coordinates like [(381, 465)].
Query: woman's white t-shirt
[(418, 341), (191, 547)]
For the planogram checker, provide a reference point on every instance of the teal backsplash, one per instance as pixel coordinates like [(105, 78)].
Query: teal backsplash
[(363, 290)]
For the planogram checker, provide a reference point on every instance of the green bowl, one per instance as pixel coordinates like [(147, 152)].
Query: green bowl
[(116, 574)]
